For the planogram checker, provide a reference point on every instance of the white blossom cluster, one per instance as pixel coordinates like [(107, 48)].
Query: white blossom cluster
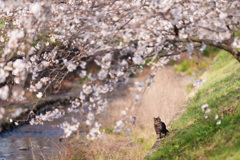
[(48, 116), (95, 132), (18, 94), (90, 103), (206, 109), (39, 95), (69, 128), (66, 20), (17, 68), (2, 112), (119, 126), (44, 41), (219, 121), (39, 84), (4, 92), (236, 43)]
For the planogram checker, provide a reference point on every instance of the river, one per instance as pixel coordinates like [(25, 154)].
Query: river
[(34, 141)]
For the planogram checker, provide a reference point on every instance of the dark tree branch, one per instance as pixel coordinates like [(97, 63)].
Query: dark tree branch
[(208, 42)]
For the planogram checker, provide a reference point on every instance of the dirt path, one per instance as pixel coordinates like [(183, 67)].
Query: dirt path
[(164, 99)]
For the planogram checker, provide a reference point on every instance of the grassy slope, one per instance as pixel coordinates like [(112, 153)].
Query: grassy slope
[(194, 137)]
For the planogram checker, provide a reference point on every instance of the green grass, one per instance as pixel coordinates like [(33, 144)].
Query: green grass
[(194, 137), (191, 66)]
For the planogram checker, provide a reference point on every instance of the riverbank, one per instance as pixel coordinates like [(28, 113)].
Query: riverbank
[(209, 129)]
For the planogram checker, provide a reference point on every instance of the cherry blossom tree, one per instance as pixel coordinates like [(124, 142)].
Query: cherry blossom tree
[(42, 42)]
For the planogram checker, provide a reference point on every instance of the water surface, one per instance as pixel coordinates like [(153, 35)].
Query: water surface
[(34, 141)]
